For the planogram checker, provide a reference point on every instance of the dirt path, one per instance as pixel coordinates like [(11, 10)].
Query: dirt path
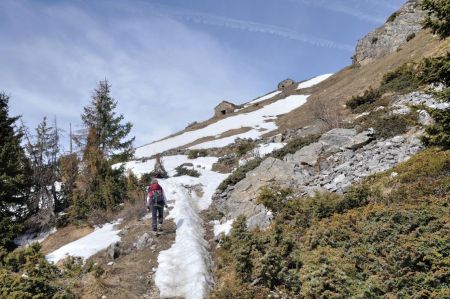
[(131, 274)]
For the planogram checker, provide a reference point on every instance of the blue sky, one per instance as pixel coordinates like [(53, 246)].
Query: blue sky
[(170, 61)]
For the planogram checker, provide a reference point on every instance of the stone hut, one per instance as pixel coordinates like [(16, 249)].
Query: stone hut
[(286, 83), (224, 108)]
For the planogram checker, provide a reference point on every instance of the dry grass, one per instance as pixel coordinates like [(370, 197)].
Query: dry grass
[(63, 236)]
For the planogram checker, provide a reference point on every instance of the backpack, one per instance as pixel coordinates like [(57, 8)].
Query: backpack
[(155, 196)]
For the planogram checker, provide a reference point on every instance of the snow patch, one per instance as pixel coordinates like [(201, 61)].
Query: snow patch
[(170, 163), (263, 98), (314, 81), (89, 245), (184, 269), (224, 228), (260, 120)]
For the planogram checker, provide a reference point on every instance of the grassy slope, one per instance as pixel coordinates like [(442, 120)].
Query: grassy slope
[(352, 81), (389, 238)]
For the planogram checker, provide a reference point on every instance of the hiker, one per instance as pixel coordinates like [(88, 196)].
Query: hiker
[(156, 201)]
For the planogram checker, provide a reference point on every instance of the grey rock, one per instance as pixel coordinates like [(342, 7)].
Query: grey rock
[(307, 155), (337, 139), (114, 250), (418, 98), (389, 37), (143, 241), (425, 118), (362, 139)]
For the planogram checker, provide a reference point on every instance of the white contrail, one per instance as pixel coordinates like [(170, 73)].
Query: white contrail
[(349, 8), (220, 21)]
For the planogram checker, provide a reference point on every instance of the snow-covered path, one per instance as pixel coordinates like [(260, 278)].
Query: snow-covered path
[(184, 269)]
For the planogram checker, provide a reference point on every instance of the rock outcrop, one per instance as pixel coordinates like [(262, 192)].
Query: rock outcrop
[(400, 27), (340, 158)]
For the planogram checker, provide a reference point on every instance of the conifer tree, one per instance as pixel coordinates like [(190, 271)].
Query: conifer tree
[(99, 117), (438, 16), (43, 150), (101, 186), (14, 176)]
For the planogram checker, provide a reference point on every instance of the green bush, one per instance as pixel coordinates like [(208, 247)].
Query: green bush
[(25, 273), (294, 145), (183, 170), (404, 79), (273, 198), (194, 154), (239, 174), (368, 97), (387, 125), (437, 16), (410, 36), (351, 246), (244, 147), (392, 17)]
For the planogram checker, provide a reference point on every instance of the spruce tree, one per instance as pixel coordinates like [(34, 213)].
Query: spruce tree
[(437, 70), (438, 16), (102, 187), (14, 176), (99, 117)]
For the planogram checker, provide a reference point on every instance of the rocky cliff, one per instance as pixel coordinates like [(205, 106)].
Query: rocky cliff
[(398, 29)]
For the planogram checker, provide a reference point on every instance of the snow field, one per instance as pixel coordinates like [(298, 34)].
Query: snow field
[(89, 245), (261, 122), (263, 98), (314, 81)]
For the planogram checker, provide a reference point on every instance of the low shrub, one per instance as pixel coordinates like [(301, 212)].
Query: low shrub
[(194, 154), (244, 147), (404, 79), (239, 174), (392, 17), (387, 125), (273, 198), (294, 145), (183, 170), (226, 164), (410, 37), (368, 97), (25, 273), (357, 246)]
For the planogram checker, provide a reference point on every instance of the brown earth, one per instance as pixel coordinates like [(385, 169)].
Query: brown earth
[(63, 236), (131, 274)]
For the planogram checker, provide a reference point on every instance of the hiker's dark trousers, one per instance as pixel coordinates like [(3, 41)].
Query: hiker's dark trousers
[(157, 216)]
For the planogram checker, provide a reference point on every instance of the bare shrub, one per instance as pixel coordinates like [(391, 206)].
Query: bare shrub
[(329, 115)]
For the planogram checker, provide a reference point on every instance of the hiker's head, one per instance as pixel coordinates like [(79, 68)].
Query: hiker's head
[(154, 181)]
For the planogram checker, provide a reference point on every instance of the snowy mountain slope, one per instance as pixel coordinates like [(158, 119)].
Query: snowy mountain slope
[(259, 122)]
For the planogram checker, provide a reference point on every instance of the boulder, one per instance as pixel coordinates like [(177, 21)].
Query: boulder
[(114, 250), (307, 155), (361, 139), (425, 118), (143, 241), (337, 139)]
